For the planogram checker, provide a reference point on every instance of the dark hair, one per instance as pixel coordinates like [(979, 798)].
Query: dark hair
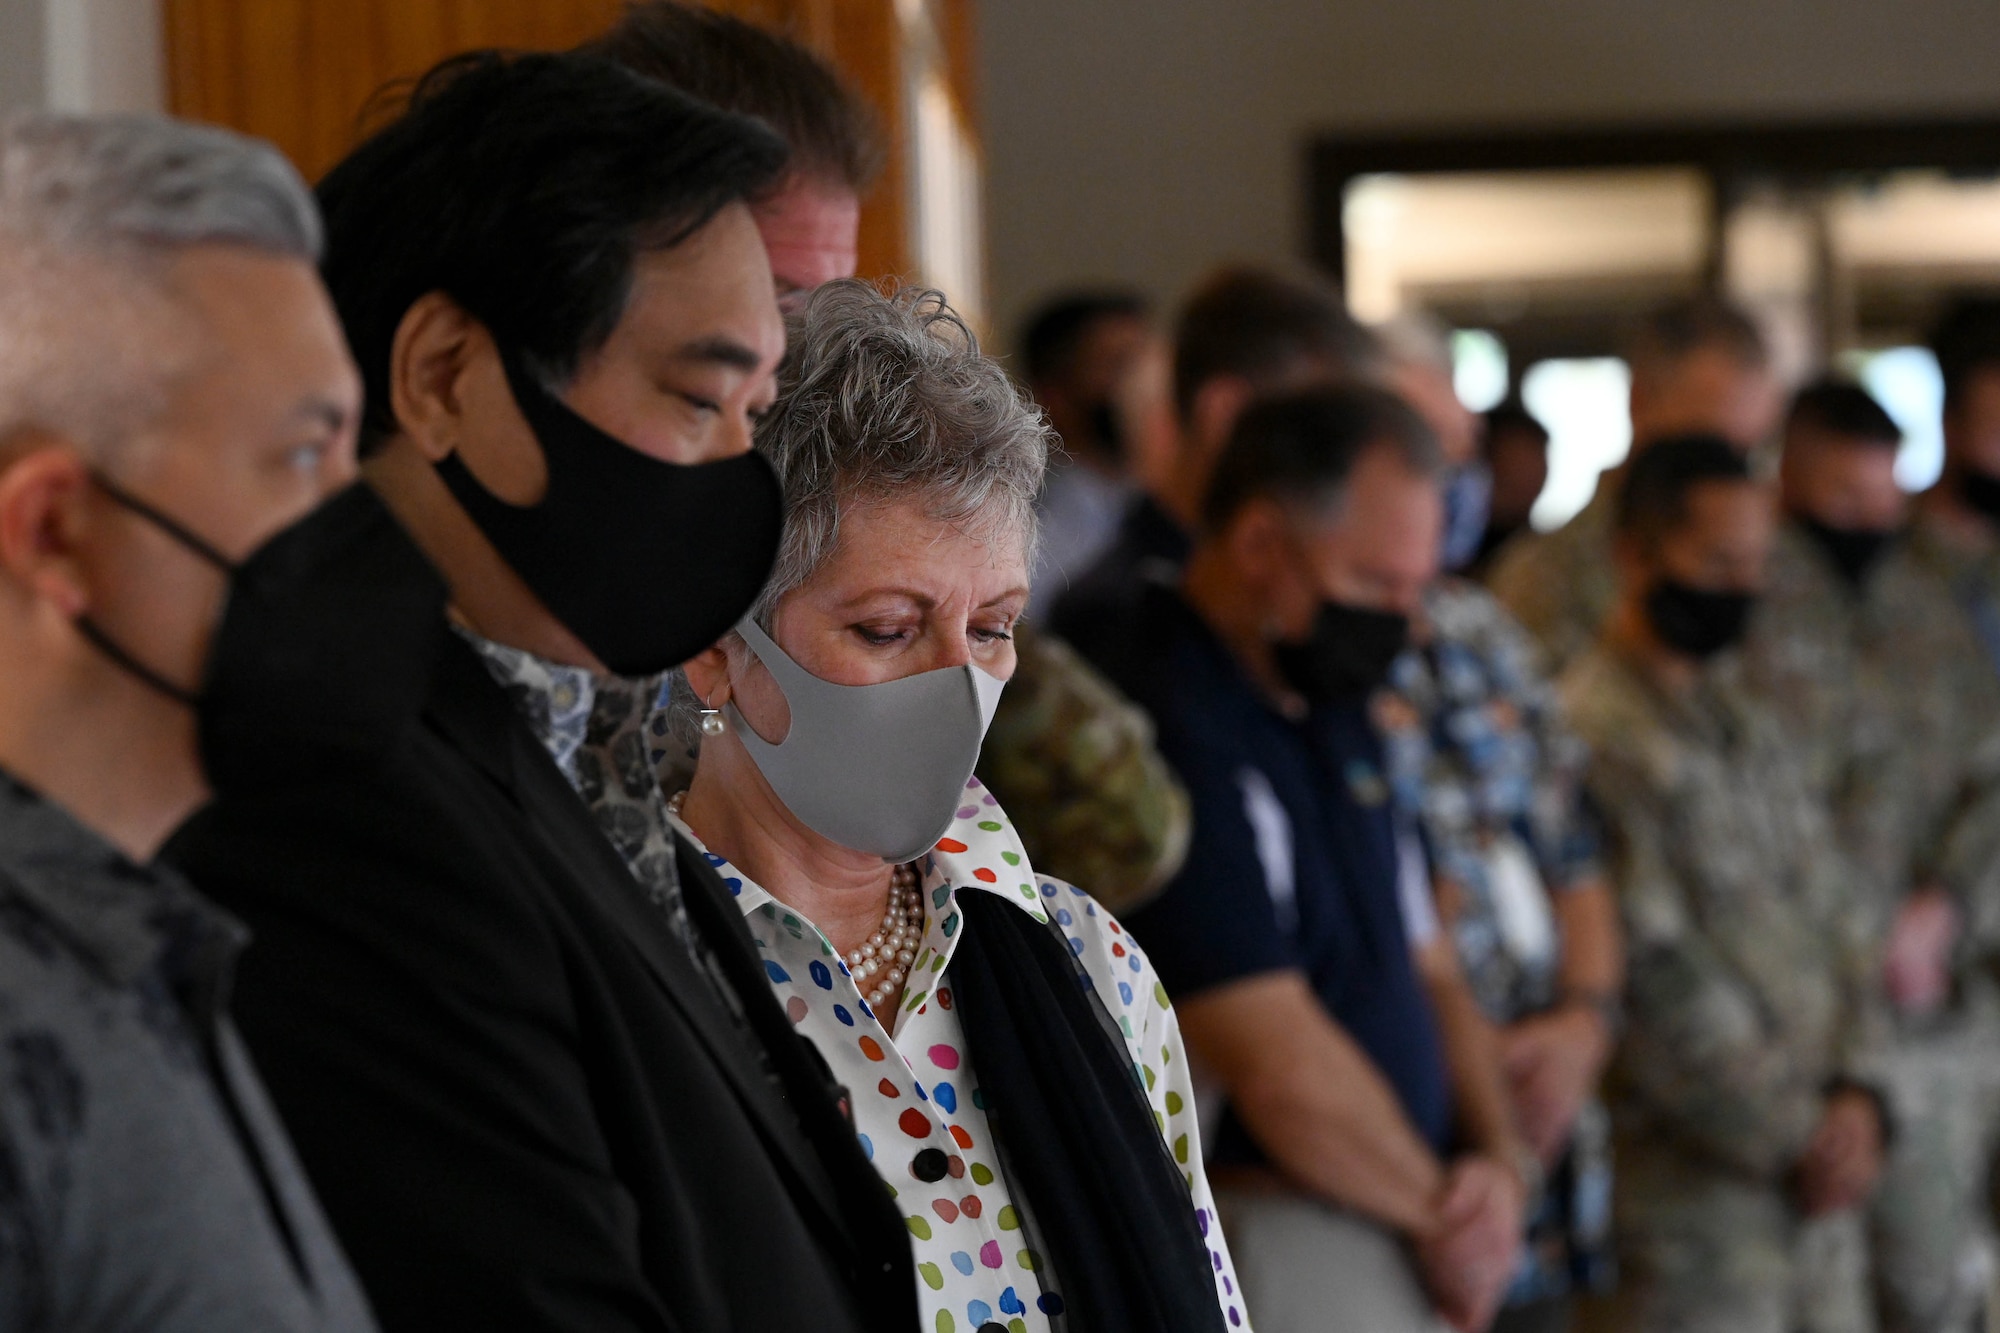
[(523, 187), (1654, 500), (1671, 333), (1842, 407), (1260, 325), (1966, 341), (1054, 333), (1514, 417), (741, 67), (1302, 447)]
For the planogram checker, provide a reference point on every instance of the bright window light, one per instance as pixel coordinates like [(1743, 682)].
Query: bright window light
[(1906, 382), (1586, 405), (1478, 369)]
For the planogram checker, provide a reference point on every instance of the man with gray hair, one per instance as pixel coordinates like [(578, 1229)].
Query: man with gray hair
[(174, 390)]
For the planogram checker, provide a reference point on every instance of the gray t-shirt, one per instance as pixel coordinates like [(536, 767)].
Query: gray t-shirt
[(145, 1183)]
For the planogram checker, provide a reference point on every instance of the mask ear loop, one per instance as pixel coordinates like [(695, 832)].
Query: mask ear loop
[(94, 634)]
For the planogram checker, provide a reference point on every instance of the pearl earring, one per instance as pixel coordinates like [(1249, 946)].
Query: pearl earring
[(712, 722)]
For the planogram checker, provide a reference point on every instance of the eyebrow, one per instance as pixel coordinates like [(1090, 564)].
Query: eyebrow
[(926, 601), (328, 412), (721, 350)]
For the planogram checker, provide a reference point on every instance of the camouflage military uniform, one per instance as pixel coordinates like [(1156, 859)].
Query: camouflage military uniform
[(1073, 763), (1748, 992), (1561, 584), (1481, 762), (1890, 701), (1971, 573)]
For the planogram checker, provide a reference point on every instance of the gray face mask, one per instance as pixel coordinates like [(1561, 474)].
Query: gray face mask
[(879, 768)]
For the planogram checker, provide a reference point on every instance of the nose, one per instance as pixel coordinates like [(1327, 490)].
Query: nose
[(735, 437), (952, 647)]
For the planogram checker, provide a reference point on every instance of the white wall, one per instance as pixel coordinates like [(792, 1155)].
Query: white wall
[(1144, 140), (82, 55)]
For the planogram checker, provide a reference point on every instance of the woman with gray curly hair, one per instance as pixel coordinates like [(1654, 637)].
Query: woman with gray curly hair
[(1015, 1070)]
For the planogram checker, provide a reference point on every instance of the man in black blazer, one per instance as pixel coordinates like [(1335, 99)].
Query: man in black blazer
[(533, 1094)]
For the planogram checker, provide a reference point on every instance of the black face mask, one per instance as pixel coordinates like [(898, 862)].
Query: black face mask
[(646, 562), (1981, 492), (1110, 432), (326, 643), (1346, 657), (1697, 623), (1855, 552)]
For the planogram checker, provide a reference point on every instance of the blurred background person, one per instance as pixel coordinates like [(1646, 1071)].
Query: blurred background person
[(1077, 353), (1957, 530), (1861, 653), (1370, 1176), (1748, 1130), (1698, 365), (1484, 768), (174, 395), (1243, 333), (810, 218), (1516, 447), (844, 716)]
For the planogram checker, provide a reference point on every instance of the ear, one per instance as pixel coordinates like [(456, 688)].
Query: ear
[(1214, 410), (708, 673), (43, 518), (1632, 560), (427, 365), (1257, 540)]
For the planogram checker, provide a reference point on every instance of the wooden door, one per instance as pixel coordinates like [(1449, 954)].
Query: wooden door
[(302, 73)]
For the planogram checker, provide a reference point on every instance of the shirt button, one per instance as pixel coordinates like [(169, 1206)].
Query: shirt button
[(930, 1165)]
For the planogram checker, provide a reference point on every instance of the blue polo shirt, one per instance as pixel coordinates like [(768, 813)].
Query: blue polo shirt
[(1294, 860)]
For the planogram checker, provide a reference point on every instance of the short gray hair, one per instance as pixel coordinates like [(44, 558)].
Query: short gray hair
[(888, 395), (92, 208)]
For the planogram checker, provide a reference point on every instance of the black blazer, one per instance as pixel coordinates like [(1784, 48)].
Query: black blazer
[(522, 1106)]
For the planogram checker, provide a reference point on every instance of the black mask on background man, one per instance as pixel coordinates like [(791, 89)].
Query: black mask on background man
[(1695, 622), (1347, 655), (647, 562), (1855, 552), (1981, 493), (1109, 430)]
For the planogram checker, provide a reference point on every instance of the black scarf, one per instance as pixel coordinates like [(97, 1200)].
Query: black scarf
[(1076, 1135)]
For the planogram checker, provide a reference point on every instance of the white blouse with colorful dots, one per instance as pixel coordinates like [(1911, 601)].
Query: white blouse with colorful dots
[(916, 1099)]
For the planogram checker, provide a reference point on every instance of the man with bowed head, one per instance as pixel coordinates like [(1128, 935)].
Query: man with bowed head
[(1366, 1172), (174, 400), (1698, 365), (540, 1088), (1747, 1125)]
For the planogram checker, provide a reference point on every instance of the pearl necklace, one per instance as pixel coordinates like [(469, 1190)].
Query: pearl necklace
[(892, 948)]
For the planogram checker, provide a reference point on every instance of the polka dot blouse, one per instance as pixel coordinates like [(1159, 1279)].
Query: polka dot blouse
[(917, 1103)]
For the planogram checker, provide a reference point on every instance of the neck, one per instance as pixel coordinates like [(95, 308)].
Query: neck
[(486, 594), (733, 810), (1630, 634), (1240, 621), (115, 753)]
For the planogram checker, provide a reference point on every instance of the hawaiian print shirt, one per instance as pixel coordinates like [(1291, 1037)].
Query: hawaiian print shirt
[(914, 1089), (1480, 760), (597, 729)]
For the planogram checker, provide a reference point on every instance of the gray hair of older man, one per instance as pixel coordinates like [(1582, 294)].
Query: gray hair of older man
[(93, 209), (887, 397)]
